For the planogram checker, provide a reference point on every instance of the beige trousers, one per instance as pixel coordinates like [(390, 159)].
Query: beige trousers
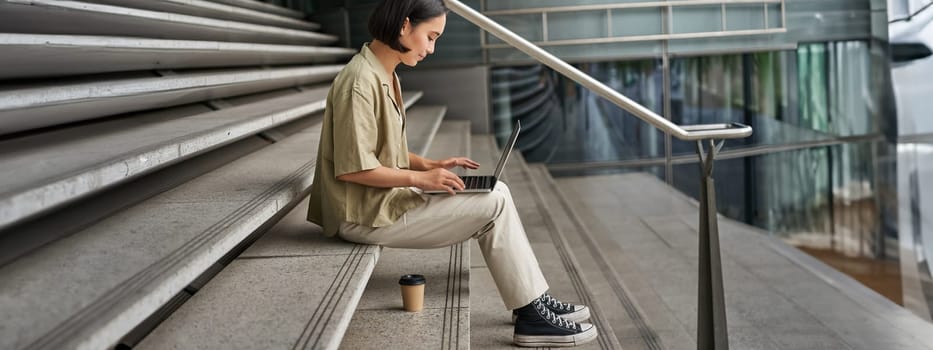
[(445, 220)]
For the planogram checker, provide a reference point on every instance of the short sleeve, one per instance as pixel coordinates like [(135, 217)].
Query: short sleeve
[(355, 133)]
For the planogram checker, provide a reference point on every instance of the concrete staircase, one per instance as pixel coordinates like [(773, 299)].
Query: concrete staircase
[(155, 157)]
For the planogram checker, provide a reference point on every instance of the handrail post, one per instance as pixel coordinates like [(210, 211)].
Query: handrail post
[(712, 330)]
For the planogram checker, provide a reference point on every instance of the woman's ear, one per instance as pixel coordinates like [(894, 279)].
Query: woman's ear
[(406, 26)]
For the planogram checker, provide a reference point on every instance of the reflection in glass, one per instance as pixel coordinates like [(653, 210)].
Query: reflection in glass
[(820, 197), (564, 122), (818, 92)]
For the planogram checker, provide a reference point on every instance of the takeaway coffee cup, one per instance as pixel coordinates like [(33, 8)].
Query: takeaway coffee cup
[(412, 292)]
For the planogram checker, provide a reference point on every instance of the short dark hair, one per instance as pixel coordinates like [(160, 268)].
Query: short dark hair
[(386, 21)]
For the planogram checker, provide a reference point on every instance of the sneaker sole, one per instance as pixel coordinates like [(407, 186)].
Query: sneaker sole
[(576, 316), (555, 340)]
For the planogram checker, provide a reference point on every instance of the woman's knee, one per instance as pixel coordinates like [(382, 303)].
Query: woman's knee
[(501, 196), (503, 191), (502, 186)]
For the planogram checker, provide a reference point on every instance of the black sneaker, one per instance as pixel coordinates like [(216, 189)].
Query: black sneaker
[(538, 326), (567, 311)]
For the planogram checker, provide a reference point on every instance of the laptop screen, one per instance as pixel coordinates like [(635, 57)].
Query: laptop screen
[(507, 149)]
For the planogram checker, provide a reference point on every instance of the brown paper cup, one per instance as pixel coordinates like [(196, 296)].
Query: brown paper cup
[(412, 292)]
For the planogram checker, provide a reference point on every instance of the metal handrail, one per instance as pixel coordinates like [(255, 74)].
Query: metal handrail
[(686, 133)]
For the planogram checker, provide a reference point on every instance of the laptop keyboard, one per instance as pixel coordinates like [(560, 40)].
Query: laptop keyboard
[(477, 182)]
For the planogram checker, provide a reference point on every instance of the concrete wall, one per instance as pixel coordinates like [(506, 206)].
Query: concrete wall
[(463, 89)]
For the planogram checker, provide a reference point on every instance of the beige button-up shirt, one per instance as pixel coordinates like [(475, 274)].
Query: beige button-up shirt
[(364, 128)]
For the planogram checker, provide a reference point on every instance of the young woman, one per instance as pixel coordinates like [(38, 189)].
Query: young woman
[(368, 186)]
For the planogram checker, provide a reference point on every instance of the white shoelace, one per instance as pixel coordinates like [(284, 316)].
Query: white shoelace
[(557, 304), (551, 317)]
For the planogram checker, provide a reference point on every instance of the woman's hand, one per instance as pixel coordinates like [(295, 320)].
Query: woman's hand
[(464, 162), (438, 179)]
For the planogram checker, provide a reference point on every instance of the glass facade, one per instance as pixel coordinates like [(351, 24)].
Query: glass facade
[(816, 172)]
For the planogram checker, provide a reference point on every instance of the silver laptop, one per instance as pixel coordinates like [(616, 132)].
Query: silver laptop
[(485, 183)]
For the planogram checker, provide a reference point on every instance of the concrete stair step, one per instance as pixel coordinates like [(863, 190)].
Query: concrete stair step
[(620, 321), (424, 133), (304, 284), (215, 10), (79, 161), (76, 17), (263, 7), (380, 322), (40, 55), (483, 150), (293, 288), (33, 106)]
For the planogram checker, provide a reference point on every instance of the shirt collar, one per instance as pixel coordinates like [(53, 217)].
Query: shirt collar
[(376, 64)]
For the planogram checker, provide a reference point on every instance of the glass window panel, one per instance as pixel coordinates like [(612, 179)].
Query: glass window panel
[(637, 21), (697, 19), (744, 17), (526, 26), (577, 25), (849, 72), (774, 16)]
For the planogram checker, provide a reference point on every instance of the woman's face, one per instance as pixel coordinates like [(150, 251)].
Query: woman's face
[(420, 39)]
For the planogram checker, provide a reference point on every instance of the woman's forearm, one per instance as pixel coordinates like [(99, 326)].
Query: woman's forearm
[(435, 179), (416, 162), (381, 177)]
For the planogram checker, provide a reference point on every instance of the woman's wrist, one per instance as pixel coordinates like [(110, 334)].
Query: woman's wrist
[(411, 178)]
